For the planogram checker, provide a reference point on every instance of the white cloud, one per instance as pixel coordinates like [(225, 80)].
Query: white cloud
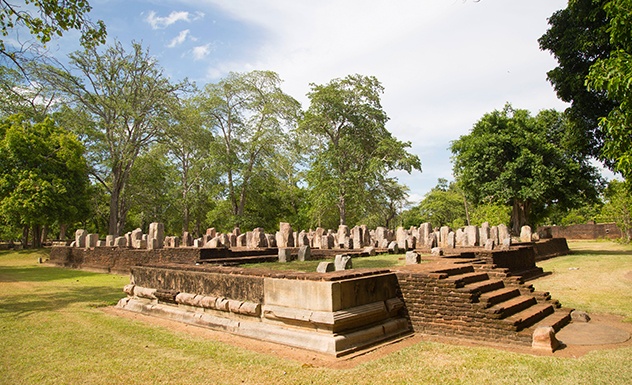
[(443, 63), (182, 36), (158, 22), (200, 52)]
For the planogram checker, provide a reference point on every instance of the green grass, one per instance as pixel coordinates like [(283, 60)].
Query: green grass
[(52, 331)]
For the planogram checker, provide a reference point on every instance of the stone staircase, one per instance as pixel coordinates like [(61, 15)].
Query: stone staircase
[(478, 302)]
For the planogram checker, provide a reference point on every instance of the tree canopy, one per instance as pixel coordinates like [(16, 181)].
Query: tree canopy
[(578, 37), (43, 175), (612, 77), (512, 158), (354, 152)]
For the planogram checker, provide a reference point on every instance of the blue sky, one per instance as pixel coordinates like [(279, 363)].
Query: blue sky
[(443, 63)]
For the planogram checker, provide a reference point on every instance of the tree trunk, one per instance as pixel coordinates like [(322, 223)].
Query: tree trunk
[(44, 234), (342, 209), (25, 237), (519, 214), (62, 231), (37, 232)]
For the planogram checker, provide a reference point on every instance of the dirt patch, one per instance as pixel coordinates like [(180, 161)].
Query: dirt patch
[(308, 358), (628, 275)]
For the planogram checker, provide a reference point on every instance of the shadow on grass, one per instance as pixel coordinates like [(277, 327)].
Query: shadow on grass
[(40, 274), (24, 304)]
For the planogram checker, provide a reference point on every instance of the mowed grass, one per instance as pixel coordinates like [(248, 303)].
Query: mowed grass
[(53, 331)]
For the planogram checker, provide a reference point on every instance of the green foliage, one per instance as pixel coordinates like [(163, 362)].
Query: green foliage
[(442, 206), (494, 214), (353, 151), (125, 100), (512, 158), (250, 117), (618, 207), (612, 77), (578, 37), (43, 177), (50, 18)]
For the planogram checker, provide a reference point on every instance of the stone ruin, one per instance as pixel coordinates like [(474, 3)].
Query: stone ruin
[(480, 294)]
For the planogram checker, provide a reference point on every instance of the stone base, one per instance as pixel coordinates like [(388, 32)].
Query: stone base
[(315, 339)]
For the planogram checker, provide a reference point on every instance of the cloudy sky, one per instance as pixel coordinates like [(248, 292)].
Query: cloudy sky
[(443, 63)]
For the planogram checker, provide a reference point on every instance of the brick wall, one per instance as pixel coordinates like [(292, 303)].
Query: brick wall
[(586, 231)]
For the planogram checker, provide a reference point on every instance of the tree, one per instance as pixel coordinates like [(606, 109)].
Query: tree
[(512, 158), (45, 19), (612, 77), (443, 205), (128, 99), (249, 115), (189, 145), (617, 207), (43, 176), (578, 37), (355, 151)]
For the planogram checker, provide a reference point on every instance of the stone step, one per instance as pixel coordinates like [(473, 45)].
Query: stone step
[(530, 316), (456, 270), (512, 306), (463, 279), (499, 295), (483, 286), (557, 320)]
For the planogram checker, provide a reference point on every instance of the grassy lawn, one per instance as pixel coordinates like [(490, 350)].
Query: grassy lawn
[(53, 332)]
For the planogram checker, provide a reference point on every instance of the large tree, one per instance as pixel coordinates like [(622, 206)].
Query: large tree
[(124, 99), (578, 37), (43, 176), (612, 77), (512, 158), (355, 152), (250, 116)]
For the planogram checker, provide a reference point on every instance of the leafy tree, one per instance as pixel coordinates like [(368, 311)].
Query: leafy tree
[(355, 151), (249, 115), (578, 37), (45, 19), (188, 144), (441, 206), (125, 100), (43, 176), (612, 77), (512, 158), (617, 207), (492, 213)]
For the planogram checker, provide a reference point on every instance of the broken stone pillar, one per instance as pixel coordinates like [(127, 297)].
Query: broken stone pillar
[(156, 235), (544, 339), (381, 236), (357, 236), (80, 238), (137, 237), (327, 242), (241, 240), (187, 239), (525, 234), (489, 244), (460, 237), (483, 233), (285, 235), (393, 248), (451, 242), (471, 236), (285, 254), (503, 233), (436, 251), (120, 242), (325, 267), (425, 229), (401, 237), (92, 240), (271, 241), (443, 236), (431, 241), (109, 240), (224, 239), (412, 258), (258, 239), (493, 235), (342, 262), (304, 253), (366, 236)]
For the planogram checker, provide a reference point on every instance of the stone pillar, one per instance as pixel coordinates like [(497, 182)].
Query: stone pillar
[(525, 234), (156, 235), (424, 231), (471, 233), (80, 238)]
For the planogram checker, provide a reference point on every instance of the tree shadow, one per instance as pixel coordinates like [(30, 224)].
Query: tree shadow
[(22, 305), (39, 274), (600, 252)]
